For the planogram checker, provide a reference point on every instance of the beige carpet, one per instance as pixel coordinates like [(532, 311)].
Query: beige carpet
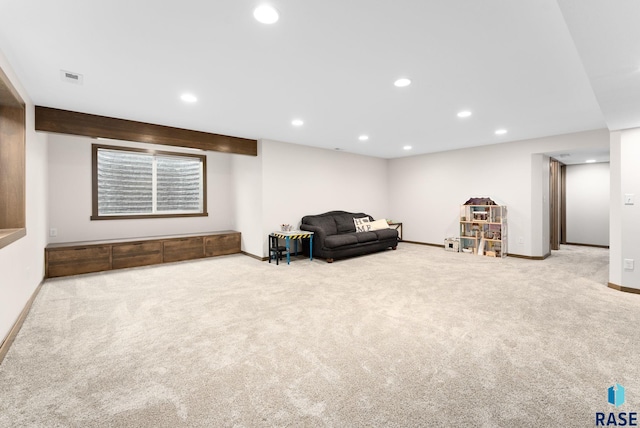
[(413, 337)]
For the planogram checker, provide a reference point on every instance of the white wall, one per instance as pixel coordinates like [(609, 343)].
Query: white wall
[(624, 225), (22, 262), (427, 190), (615, 209), (540, 206), (253, 195), (630, 184), (247, 201), (69, 189), (299, 180), (587, 203)]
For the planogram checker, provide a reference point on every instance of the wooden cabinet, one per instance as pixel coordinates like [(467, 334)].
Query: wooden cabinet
[(86, 257), (219, 245), (176, 250), (78, 259), (136, 254), (483, 229)]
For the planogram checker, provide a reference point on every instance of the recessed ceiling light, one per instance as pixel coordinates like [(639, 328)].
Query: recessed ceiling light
[(266, 14), (590, 161), (402, 82), (407, 147), (465, 113), (363, 137), (297, 122), (188, 98), (501, 131)]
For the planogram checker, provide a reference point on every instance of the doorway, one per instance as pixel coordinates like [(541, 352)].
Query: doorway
[(557, 203)]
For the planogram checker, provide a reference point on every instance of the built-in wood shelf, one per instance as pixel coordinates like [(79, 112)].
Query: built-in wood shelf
[(7, 236), (74, 258), (12, 163)]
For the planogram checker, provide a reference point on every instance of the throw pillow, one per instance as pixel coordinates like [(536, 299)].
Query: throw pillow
[(379, 224), (362, 224)]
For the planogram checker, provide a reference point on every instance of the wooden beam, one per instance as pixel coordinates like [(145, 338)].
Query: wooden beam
[(89, 125)]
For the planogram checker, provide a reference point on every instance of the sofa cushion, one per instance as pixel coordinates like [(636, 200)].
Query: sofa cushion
[(379, 224), (364, 227), (386, 234), (366, 236), (361, 224), (335, 241), (344, 223)]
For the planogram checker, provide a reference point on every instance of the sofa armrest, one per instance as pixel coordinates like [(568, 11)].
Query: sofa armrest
[(318, 232), (319, 236)]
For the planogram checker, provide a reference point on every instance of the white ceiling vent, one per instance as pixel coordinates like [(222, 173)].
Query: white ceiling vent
[(71, 77)]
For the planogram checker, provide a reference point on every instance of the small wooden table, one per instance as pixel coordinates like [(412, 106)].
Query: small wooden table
[(295, 234)]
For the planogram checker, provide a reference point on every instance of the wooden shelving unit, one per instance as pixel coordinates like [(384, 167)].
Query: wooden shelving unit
[(483, 229)]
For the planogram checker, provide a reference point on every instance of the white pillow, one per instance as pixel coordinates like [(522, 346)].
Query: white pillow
[(379, 224), (362, 224)]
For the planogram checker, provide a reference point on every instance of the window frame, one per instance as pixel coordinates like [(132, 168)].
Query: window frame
[(94, 178)]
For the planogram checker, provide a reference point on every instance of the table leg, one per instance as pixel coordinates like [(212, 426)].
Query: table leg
[(288, 252), (311, 247)]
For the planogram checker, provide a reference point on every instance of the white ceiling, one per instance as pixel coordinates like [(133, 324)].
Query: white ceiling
[(533, 67)]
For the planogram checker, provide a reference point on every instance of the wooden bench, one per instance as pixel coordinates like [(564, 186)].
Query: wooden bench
[(74, 258)]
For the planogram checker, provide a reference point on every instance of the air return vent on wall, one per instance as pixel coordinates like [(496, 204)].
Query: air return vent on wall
[(71, 77)]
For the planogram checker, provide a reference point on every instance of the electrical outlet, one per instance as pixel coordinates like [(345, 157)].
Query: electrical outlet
[(521, 240), (628, 198), (53, 232), (628, 264)]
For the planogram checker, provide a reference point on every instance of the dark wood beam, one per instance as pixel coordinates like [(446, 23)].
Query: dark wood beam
[(89, 125)]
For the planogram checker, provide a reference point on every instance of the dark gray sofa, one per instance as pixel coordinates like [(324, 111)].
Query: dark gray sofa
[(335, 235)]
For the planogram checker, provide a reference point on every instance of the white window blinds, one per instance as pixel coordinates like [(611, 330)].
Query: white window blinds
[(178, 184), (139, 183)]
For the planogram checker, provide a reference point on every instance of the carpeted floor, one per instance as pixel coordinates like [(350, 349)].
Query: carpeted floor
[(413, 337)]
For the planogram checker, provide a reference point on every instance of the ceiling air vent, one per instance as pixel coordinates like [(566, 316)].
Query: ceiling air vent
[(71, 77)]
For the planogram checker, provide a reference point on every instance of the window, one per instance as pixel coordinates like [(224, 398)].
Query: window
[(137, 183)]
